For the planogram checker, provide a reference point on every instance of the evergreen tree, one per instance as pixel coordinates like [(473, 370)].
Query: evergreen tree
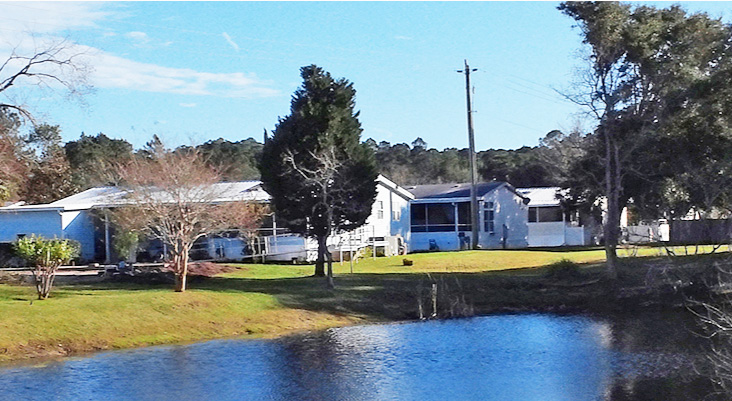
[(320, 176), (92, 157)]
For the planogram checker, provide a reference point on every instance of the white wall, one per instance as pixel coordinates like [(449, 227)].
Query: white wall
[(509, 210), (381, 226), (550, 233)]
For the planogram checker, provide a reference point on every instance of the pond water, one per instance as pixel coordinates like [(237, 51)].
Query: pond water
[(505, 357)]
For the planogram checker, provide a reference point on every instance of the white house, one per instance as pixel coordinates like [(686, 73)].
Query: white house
[(440, 217), (549, 223)]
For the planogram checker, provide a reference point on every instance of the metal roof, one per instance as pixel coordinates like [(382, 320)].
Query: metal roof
[(461, 190), (541, 196), (114, 196)]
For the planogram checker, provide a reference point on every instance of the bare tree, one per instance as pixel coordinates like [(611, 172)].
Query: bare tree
[(323, 177), (48, 65), (174, 197)]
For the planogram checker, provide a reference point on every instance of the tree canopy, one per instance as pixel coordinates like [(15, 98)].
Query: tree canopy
[(656, 83), (320, 176)]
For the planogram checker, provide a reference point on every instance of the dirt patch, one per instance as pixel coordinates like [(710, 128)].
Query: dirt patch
[(208, 269)]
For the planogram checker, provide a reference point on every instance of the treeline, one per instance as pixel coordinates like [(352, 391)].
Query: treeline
[(40, 168), (417, 164)]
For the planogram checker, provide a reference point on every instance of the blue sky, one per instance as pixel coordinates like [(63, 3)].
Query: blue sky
[(194, 71)]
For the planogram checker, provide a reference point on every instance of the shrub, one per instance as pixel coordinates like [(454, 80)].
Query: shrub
[(45, 256), (564, 269)]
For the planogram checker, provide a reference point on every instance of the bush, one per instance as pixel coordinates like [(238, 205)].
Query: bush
[(45, 256), (564, 269)]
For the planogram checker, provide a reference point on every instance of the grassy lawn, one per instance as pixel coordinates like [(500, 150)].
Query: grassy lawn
[(269, 300), (459, 262)]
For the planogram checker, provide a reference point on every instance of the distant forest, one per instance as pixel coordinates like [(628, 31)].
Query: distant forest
[(48, 169), (405, 164)]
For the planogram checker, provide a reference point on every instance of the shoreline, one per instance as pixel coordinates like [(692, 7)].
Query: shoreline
[(83, 319)]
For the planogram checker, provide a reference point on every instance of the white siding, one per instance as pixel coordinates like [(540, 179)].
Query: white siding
[(509, 212)]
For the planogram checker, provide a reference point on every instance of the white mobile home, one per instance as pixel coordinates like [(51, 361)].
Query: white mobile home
[(440, 217)]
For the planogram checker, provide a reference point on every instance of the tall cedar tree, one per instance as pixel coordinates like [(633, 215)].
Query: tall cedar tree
[(320, 176)]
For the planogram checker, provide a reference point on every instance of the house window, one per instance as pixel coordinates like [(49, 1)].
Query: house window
[(396, 215), (545, 214), (433, 217), (379, 210), (489, 218), (464, 216)]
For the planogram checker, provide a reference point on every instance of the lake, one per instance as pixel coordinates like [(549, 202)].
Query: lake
[(543, 357)]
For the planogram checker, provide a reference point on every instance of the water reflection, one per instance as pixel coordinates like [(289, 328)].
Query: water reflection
[(511, 357)]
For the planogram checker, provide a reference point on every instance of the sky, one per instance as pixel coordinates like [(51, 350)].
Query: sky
[(190, 72)]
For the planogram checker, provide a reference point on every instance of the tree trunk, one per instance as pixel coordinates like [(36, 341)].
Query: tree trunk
[(181, 271), (329, 259), (612, 193), (320, 262)]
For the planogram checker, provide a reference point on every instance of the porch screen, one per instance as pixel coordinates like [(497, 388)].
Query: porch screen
[(433, 217), (545, 214)]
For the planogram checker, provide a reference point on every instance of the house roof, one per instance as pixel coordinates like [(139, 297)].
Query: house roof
[(462, 190), (114, 196), (392, 186), (541, 196)]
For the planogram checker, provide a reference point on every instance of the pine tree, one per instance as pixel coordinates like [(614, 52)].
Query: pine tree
[(320, 176)]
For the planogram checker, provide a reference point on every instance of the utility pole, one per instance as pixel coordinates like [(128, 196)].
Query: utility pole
[(473, 169)]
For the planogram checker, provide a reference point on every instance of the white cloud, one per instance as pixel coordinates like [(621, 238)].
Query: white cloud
[(400, 37), (49, 17), (140, 37), (230, 41), (187, 105), (116, 72), (112, 71)]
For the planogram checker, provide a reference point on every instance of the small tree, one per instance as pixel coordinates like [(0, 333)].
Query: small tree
[(322, 179), (45, 256), (172, 197)]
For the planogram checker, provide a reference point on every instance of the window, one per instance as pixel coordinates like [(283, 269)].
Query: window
[(489, 218), (379, 210), (396, 215), (433, 217), (464, 216), (545, 214)]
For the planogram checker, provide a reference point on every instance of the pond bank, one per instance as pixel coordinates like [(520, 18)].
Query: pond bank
[(97, 316)]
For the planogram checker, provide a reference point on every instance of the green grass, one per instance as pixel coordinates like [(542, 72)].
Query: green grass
[(269, 300), (458, 262), (87, 318)]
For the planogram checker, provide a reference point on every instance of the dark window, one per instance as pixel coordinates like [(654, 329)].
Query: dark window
[(489, 217), (552, 213), (440, 217), (433, 217), (532, 214), (419, 215), (464, 216)]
